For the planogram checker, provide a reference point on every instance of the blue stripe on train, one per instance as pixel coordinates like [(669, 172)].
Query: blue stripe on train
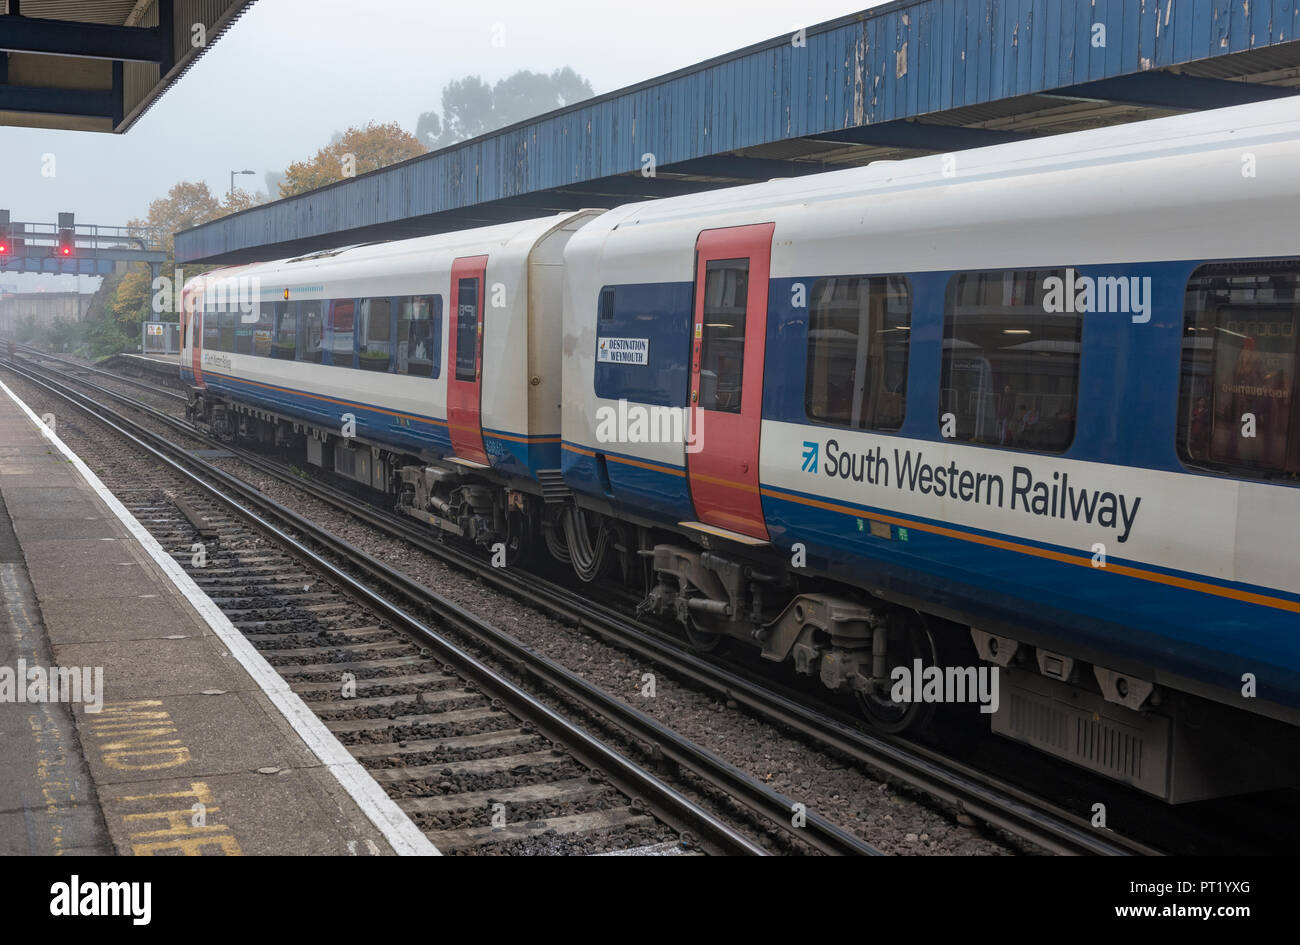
[(421, 435), (1136, 619), (641, 491)]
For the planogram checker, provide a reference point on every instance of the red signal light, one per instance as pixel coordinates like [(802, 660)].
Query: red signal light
[(4, 249), (67, 251)]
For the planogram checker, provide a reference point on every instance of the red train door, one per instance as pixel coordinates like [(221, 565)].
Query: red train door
[(465, 359), (194, 299), (731, 275)]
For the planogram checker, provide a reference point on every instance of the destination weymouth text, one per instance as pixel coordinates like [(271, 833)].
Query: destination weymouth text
[(1020, 490)]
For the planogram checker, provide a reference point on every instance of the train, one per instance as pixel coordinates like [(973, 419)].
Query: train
[(1026, 412)]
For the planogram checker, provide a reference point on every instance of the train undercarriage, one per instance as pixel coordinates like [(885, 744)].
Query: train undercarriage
[(898, 659)]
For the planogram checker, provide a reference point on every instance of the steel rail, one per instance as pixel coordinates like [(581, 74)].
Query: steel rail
[(777, 808)]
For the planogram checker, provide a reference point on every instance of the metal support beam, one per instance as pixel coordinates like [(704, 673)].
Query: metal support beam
[(168, 35), (84, 40), (93, 103), (627, 187), (50, 264), (38, 252), (1167, 90), (920, 136), (119, 93), (738, 167)]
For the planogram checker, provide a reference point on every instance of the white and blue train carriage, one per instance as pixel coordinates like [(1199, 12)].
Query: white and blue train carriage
[(1041, 395), (443, 349)]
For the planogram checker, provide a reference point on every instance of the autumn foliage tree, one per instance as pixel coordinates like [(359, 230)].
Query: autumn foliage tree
[(187, 204), (356, 151)]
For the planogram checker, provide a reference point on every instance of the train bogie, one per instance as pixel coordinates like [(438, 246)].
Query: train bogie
[(428, 368), (919, 433), (976, 408)]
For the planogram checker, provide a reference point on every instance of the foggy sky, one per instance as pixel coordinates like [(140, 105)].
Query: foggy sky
[(292, 72)]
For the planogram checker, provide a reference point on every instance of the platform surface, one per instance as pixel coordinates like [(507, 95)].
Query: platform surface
[(198, 747)]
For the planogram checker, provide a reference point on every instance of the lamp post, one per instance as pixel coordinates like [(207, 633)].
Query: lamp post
[(232, 181)]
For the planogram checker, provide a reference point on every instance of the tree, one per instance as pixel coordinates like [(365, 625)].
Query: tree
[(187, 204), (466, 112), (238, 199), (364, 149), (26, 330), (471, 107)]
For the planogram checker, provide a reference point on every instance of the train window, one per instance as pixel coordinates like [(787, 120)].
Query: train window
[(722, 352), (245, 328), (419, 336), (1237, 407), (285, 343), (1010, 372), (343, 314), (262, 329), (309, 317), (211, 328), (858, 328), (467, 330), (374, 332), (227, 319), (605, 308)]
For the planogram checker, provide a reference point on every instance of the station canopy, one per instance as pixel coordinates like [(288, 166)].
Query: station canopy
[(903, 79), (97, 65)]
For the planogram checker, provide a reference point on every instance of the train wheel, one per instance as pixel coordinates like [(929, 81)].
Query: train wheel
[(519, 538), (909, 640), (700, 638)]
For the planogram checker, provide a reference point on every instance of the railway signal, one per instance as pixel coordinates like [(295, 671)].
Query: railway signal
[(66, 245)]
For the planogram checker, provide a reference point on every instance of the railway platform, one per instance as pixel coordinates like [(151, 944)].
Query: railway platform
[(162, 366), (135, 718)]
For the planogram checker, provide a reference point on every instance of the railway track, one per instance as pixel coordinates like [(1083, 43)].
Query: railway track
[(958, 785), (76, 368), (962, 786), (442, 730)]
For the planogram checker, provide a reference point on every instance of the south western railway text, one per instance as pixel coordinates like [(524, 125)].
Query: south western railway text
[(1020, 490)]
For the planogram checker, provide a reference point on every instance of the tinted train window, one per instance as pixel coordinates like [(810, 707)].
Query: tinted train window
[(245, 326), (722, 351), (419, 336), (227, 320), (858, 328), (1237, 405), (263, 328), (467, 330), (309, 315), (342, 330), (285, 345), (1010, 373), (374, 331), (211, 328)]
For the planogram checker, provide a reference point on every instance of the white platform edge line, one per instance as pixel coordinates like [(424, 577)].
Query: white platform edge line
[(402, 834)]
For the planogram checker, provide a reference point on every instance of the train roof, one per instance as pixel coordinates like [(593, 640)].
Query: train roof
[(1206, 130), (416, 250)]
